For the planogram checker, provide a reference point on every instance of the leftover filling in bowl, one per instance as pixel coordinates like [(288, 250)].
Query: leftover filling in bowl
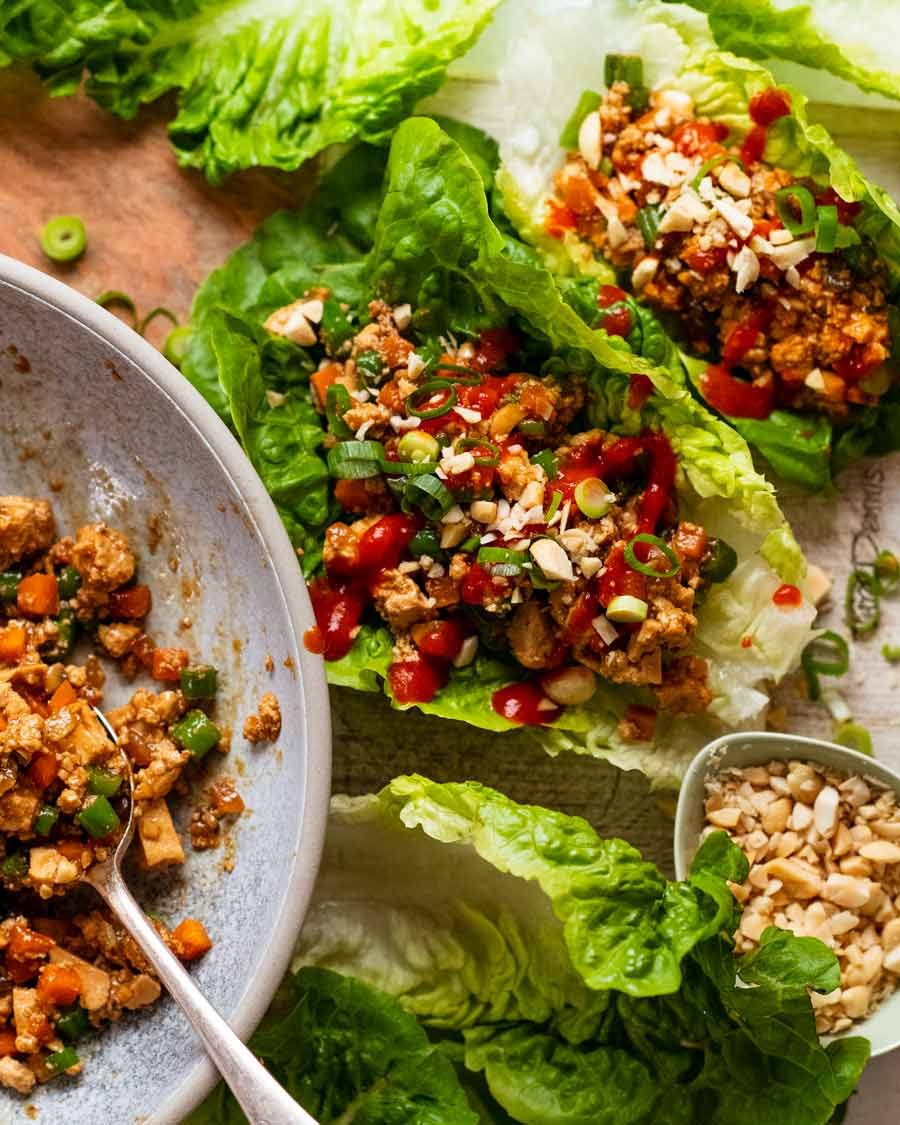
[(63, 788), (481, 513), (767, 274)]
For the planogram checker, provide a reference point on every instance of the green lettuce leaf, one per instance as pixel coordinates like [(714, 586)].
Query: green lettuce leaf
[(347, 1053), (582, 985), (258, 81)]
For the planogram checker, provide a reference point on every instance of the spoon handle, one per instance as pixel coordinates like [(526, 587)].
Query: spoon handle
[(260, 1096)]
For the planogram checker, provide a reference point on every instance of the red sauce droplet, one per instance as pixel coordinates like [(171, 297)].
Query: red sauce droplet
[(754, 145), (705, 261), (743, 336), (788, 596), (442, 640), (521, 703), (475, 585), (559, 220), (338, 608), (746, 642), (617, 322), (610, 295), (768, 105), (416, 681), (734, 396), (313, 640)]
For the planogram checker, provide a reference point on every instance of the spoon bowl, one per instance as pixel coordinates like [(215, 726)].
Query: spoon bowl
[(756, 748)]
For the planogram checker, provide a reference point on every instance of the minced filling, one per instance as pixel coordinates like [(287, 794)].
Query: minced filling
[(769, 278), (478, 518)]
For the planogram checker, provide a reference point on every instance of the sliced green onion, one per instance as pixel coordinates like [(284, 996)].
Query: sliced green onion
[(155, 314), (465, 376), (721, 562), (15, 866), (335, 325), (532, 428), (826, 228), (199, 681), (9, 584), (644, 568), (827, 655), (469, 443), (627, 610), (862, 602), (648, 220), (891, 653), (714, 161), (62, 1060), (72, 1023), (430, 495), (371, 365), (356, 460), (103, 782), (66, 633), (785, 198), (548, 461), (417, 446), (555, 501), (115, 298), (470, 544), (426, 542), (68, 582), (175, 347), (98, 818), (422, 394), (593, 498), (887, 572), (64, 238), (196, 733), (623, 68), (45, 820), (488, 556), (505, 570), (587, 103), (854, 735), (337, 403)]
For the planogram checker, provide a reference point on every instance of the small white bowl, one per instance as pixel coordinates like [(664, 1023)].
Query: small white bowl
[(756, 748)]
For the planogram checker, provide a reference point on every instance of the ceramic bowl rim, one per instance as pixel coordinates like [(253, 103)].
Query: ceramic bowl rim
[(311, 678)]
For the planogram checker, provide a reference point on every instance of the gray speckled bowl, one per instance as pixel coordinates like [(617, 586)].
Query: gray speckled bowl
[(93, 418)]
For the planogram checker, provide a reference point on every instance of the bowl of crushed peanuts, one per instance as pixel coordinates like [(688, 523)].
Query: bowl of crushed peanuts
[(819, 825), (144, 571)]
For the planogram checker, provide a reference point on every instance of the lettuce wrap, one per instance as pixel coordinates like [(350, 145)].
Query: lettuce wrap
[(428, 240), (802, 445), (566, 978)]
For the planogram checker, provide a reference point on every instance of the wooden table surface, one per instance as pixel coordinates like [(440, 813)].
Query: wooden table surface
[(155, 231)]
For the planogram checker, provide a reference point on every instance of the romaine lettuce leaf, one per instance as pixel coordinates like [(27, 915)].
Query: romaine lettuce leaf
[(258, 81), (585, 987), (348, 1053)]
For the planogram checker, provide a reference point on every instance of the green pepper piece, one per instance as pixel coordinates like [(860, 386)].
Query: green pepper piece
[(196, 733), (15, 866), (548, 462), (98, 818), (720, 563), (9, 584), (68, 582), (426, 542), (45, 820), (72, 1023), (103, 782), (199, 681), (62, 1060)]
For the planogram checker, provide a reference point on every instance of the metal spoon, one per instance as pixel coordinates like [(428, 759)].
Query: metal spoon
[(262, 1099)]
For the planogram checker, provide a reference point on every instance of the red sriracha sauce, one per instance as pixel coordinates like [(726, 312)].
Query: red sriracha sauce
[(417, 680), (788, 596), (338, 608), (734, 396), (383, 544), (441, 640), (765, 107), (313, 641), (525, 703), (616, 321), (743, 336), (560, 219)]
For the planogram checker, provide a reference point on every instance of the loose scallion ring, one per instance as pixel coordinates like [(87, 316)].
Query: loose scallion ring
[(429, 494), (826, 228), (423, 394), (64, 238), (115, 298), (815, 665), (803, 198), (887, 572), (862, 602), (714, 161), (154, 314), (356, 460), (474, 378), (503, 555), (643, 568), (470, 442)]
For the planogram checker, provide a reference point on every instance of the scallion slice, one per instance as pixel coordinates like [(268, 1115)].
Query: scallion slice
[(826, 228), (155, 314), (356, 460), (415, 403), (531, 427), (862, 602), (548, 461), (337, 403), (714, 161), (593, 498), (787, 200), (827, 655), (644, 568), (854, 735), (555, 501), (648, 220), (489, 556), (115, 298), (627, 610), (430, 495), (64, 238), (465, 376), (472, 443)]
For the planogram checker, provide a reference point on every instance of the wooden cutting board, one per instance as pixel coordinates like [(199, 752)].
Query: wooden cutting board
[(155, 231)]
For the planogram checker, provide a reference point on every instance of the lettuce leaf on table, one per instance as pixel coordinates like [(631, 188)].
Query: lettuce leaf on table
[(432, 242), (258, 81), (583, 985), (555, 58)]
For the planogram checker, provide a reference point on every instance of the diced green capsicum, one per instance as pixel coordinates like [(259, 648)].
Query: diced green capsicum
[(199, 681), (45, 820), (9, 583), (72, 1023), (68, 582), (63, 1060), (103, 782), (98, 818), (15, 866), (196, 733)]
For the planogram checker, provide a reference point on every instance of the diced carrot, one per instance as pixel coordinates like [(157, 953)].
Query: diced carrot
[(37, 595), (7, 1042), (58, 985), (12, 643), (43, 769), (2, 723), (352, 495), (167, 664), (131, 604), (71, 849), (191, 939), (64, 696), (20, 972), (323, 378), (24, 943)]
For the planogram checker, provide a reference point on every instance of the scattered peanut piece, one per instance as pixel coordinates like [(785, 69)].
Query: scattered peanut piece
[(265, 726), (824, 853)]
